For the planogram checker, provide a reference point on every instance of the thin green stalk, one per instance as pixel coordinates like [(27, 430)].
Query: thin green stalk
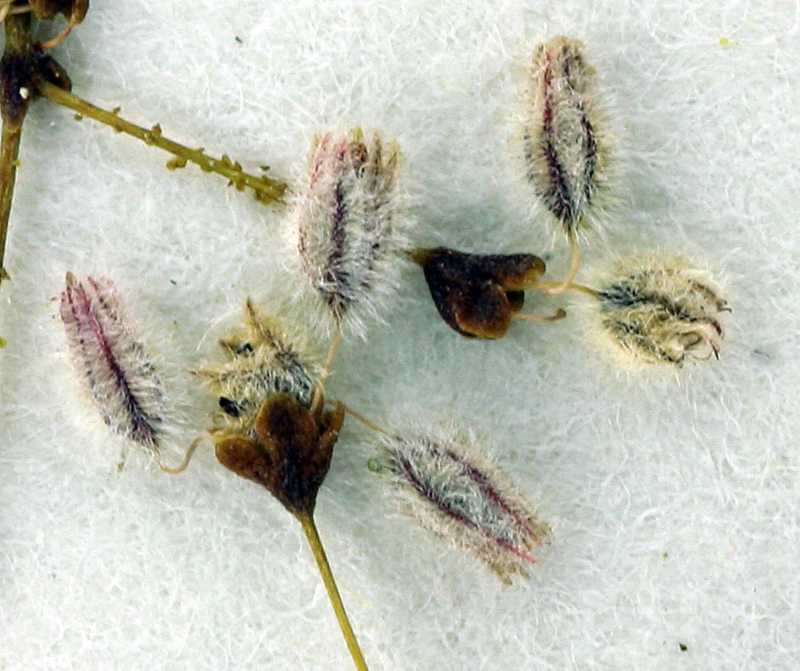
[(264, 188), (9, 153), (310, 529), (14, 107)]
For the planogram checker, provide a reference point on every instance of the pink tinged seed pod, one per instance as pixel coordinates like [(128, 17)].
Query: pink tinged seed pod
[(660, 309), (348, 227), (565, 150), (123, 383), (458, 496)]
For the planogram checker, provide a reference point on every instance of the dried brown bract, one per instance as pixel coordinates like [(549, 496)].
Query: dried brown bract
[(284, 445), (478, 294), (288, 452), (73, 10)]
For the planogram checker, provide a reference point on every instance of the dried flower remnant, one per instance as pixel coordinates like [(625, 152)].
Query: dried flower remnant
[(73, 10), (478, 294), (288, 450), (566, 152), (659, 310), (273, 433), (459, 496), (348, 228), (264, 358), (123, 383)]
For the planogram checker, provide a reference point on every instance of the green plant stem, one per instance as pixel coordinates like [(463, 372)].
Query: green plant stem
[(264, 188), (18, 40), (310, 529), (9, 152)]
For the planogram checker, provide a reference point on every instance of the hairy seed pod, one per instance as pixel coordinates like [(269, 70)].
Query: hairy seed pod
[(565, 150), (659, 309), (459, 496), (349, 231), (263, 358), (112, 362)]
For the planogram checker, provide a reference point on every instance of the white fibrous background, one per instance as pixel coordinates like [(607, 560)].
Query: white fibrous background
[(672, 493)]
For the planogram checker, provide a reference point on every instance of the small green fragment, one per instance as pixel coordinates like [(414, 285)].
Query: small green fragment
[(376, 466), (175, 163), (3, 342), (78, 117)]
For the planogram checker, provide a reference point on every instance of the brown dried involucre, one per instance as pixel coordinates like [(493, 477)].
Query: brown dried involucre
[(459, 496), (477, 294), (347, 225), (112, 362), (565, 149), (288, 452), (660, 310)]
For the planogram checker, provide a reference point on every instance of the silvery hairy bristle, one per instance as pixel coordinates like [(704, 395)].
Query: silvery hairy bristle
[(112, 361), (565, 148), (349, 228), (457, 494)]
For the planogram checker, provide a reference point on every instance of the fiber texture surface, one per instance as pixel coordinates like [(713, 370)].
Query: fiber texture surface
[(672, 493)]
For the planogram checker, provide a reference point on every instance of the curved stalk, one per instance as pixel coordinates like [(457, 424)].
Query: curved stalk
[(546, 286), (172, 470), (316, 398), (561, 287), (560, 314)]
